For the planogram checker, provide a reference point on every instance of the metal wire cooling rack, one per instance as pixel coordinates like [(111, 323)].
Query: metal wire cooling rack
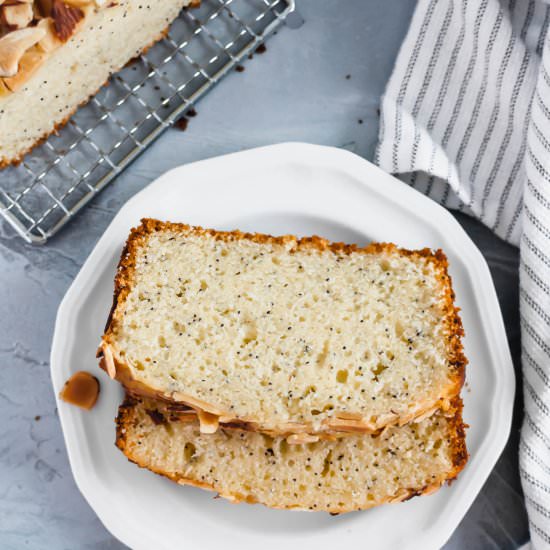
[(58, 178)]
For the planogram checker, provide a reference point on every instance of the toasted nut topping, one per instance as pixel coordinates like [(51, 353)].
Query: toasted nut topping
[(300, 439), (79, 3), (14, 45), (65, 19), (38, 25), (17, 16), (50, 41), (208, 422), (28, 64), (44, 7), (4, 90)]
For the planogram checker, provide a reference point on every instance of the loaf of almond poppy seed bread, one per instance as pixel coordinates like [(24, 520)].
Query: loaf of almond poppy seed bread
[(54, 54)]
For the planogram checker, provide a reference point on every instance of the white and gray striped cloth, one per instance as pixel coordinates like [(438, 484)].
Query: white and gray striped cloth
[(466, 119)]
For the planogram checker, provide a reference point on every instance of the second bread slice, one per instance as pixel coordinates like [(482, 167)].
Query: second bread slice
[(354, 472), (282, 334)]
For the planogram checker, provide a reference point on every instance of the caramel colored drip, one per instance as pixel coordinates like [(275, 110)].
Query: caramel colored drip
[(81, 389)]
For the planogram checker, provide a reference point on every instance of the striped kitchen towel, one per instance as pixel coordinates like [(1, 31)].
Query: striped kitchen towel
[(465, 118)]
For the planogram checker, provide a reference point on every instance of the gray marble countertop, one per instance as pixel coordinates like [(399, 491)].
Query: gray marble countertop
[(298, 90)]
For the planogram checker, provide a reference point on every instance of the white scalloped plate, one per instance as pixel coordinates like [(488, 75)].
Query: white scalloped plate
[(288, 188)]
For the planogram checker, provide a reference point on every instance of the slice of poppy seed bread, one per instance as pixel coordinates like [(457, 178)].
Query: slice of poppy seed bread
[(288, 335), (354, 472)]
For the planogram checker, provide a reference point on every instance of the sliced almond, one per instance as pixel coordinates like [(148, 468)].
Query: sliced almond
[(4, 90), (107, 361), (87, 6), (50, 42), (208, 422), (44, 7), (79, 3), (14, 45), (300, 439), (28, 65), (65, 19), (14, 2), (425, 415), (399, 496), (17, 16)]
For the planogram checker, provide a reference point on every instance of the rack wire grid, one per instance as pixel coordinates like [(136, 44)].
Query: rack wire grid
[(59, 177)]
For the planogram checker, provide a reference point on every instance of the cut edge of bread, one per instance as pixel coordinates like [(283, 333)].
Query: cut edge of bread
[(126, 415), (211, 416)]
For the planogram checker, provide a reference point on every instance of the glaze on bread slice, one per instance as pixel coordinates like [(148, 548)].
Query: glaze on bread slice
[(286, 335), (354, 472)]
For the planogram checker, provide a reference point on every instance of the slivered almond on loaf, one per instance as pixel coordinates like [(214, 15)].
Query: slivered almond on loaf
[(286, 335), (350, 473)]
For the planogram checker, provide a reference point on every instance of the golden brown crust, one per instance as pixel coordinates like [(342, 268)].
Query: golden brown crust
[(15, 161), (126, 418), (117, 368)]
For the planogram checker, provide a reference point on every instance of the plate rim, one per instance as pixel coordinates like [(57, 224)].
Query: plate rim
[(503, 394)]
